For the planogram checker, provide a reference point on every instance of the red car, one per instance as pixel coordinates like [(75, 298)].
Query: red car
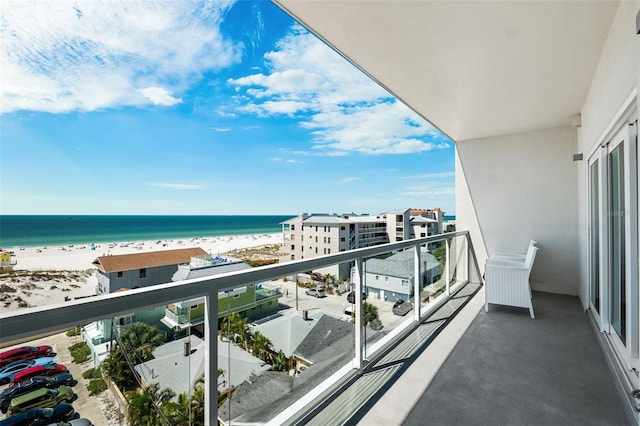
[(40, 370), (24, 352)]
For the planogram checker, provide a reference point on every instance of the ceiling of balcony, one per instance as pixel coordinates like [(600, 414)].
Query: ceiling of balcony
[(472, 68)]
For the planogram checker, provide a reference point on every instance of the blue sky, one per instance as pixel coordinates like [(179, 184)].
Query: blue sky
[(192, 107)]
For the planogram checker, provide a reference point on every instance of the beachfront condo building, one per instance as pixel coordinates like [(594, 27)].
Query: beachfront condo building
[(541, 100), (316, 234)]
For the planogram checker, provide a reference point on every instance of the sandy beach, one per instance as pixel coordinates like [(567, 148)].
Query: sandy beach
[(47, 275)]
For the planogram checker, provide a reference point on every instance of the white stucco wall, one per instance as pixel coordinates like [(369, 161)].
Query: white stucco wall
[(616, 78), (522, 187)]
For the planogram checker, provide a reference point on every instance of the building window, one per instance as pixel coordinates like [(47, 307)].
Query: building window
[(143, 273), (325, 240), (329, 240), (293, 227), (422, 234), (293, 247), (120, 274), (342, 228), (328, 251), (235, 296), (316, 238), (316, 228), (342, 239), (377, 277), (405, 283), (316, 250), (386, 279), (293, 257)]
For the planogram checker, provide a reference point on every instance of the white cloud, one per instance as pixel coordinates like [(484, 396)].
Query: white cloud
[(67, 55), (159, 96), (178, 186), (350, 179), (346, 111)]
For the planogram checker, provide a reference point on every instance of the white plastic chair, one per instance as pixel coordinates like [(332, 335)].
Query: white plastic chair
[(507, 255), (507, 282)]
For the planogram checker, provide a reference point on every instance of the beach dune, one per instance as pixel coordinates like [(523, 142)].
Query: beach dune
[(34, 282)]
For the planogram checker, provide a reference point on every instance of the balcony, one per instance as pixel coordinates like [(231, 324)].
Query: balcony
[(444, 360)]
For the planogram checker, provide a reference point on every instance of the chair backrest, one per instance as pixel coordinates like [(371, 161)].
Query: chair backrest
[(531, 255)]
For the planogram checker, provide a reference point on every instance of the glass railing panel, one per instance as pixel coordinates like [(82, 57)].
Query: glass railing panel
[(151, 361), (305, 340), (436, 265), (387, 295)]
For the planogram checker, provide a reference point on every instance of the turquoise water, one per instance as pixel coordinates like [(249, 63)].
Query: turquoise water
[(35, 231)]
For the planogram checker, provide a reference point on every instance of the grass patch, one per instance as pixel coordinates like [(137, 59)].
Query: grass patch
[(92, 373), (96, 386), (76, 331), (80, 352)]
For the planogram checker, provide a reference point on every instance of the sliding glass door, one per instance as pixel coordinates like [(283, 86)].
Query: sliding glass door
[(616, 222), (613, 245), (594, 233)]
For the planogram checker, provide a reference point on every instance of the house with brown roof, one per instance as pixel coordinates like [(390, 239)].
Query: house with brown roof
[(141, 269)]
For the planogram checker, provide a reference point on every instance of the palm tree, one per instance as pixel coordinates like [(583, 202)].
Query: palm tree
[(280, 361), (135, 345), (142, 339), (369, 312), (145, 407), (262, 347)]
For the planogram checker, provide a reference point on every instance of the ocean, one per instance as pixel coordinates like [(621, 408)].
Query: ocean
[(36, 231)]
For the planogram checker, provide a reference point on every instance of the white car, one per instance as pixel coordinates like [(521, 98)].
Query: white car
[(315, 292)]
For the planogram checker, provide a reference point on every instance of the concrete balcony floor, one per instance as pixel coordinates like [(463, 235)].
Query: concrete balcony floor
[(499, 368)]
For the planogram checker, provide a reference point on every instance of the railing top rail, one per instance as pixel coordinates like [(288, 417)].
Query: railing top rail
[(18, 324)]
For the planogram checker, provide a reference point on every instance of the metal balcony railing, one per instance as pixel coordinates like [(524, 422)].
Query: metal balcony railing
[(459, 268)]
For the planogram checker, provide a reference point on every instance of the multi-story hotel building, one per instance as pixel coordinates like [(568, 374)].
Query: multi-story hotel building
[(316, 234)]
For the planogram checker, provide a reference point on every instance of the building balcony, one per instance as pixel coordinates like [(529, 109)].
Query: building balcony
[(445, 360)]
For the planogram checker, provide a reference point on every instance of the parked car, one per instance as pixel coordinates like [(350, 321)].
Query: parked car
[(24, 352), (315, 292), (41, 398), (7, 372), (40, 416), (49, 369), (401, 307), (74, 422), (31, 385), (351, 297)]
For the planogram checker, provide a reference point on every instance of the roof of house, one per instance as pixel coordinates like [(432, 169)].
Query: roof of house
[(399, 264), (329, 336), (170, 367), (288, 331), (127, 262), (184, 272), (266, 394)]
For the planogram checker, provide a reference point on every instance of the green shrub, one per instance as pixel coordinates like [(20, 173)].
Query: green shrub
[(96, 386), (74, 331), (92, 373), (80, 352)]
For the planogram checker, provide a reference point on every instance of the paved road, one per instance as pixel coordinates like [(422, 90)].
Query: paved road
[(334, 304), (100, 410)]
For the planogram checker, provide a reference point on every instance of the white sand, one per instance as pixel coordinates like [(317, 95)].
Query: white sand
[(80, 257), (38, 291)]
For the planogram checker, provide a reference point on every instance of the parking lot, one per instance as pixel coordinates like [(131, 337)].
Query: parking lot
[(101, 409)]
